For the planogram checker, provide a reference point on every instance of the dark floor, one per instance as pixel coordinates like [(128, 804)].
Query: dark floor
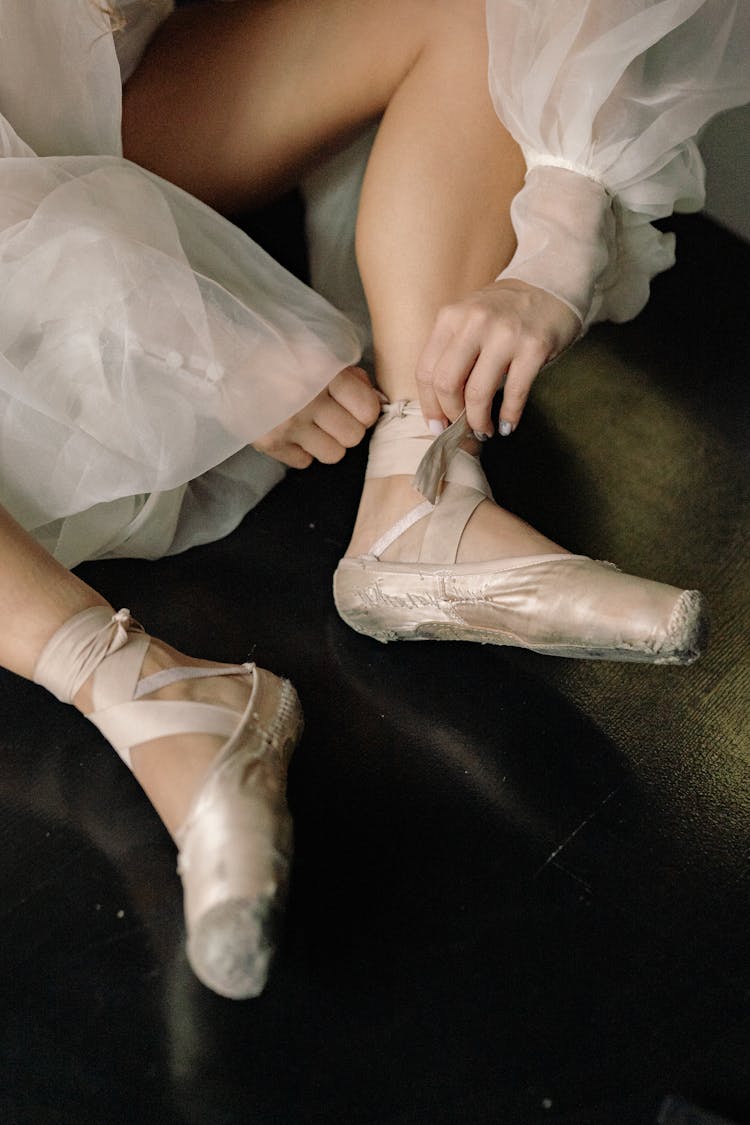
[(521, 892)]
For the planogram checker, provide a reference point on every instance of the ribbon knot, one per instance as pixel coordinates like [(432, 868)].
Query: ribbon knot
[(78, 648)]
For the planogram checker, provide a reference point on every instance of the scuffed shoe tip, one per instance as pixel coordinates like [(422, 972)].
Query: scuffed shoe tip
[(230, 949), (688, 630)]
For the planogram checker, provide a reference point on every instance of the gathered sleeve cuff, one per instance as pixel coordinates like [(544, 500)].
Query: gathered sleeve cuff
[(605, 99)]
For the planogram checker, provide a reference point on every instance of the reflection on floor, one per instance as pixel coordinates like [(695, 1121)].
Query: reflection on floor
[(521, 891)]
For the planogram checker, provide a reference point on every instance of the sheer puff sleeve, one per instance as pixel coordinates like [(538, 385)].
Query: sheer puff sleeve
[(143, 338), (605, 98)]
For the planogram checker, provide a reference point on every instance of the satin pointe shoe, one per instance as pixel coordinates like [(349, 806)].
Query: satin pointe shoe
[(560, 605), (235, 844)]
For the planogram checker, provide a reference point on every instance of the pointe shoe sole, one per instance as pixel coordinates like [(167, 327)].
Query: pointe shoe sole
[(235, 846), (561, 605)]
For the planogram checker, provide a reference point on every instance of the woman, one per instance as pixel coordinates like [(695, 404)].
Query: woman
[(146, 344)]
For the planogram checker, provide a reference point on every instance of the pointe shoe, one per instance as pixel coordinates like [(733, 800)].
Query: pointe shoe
[(235, 844), (556, 604)]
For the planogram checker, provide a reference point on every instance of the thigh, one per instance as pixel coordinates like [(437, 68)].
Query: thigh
[(233, 100)]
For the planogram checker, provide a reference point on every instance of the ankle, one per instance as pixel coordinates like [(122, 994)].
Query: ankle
[(159, 657), (491, 532), (461, 524), (384, 501), (83, 699)]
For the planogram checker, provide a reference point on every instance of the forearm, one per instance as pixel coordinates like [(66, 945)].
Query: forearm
[(565, 228)]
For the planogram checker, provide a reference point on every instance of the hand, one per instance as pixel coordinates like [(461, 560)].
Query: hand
[(336, 420), (500, 336)]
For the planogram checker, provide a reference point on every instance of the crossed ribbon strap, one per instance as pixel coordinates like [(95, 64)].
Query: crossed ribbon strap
[(433, 467), (78, 648), (402, 444)]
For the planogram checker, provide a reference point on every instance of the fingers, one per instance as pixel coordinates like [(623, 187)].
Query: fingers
[(467, 374), (308, 443), (333, 419), (336, 420), (463, 365), (287, 452), (500, 336), (354, 392), (522, 372), (321, 445), (323, 432), (452, 371), (483, 383), (438, 341)]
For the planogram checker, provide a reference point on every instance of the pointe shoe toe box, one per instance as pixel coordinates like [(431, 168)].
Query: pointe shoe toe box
[(236, 846), (563, 605), (231, 947)]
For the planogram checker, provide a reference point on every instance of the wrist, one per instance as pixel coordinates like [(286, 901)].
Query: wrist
[(564, 225)]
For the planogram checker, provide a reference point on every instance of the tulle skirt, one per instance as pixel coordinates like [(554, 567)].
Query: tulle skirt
[(145, 341)]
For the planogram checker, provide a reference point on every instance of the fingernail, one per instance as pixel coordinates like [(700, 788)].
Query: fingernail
[(481, 437), (505, 428), (435, 426)]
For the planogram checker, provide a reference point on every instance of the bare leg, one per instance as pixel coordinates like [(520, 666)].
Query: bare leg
[(433, 225), (37, 596), (258, 91)]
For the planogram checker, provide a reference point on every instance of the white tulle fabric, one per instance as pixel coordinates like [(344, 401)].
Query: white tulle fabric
[(144, 340), (605, 98)]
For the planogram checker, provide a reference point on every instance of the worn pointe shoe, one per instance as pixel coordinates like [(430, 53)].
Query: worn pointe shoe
[(235, 844), (561, 605)]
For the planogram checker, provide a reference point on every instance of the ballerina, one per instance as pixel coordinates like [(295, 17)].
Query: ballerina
[(158, 368)]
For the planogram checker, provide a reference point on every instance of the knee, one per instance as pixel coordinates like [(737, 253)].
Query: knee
[(437, 19), (458, 21)]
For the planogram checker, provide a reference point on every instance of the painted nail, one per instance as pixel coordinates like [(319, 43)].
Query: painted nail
[(435, 426), (481, 437), (505, 428)]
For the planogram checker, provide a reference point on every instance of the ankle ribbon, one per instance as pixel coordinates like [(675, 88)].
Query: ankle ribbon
[(78, 648), (434, 465), (402, 442)]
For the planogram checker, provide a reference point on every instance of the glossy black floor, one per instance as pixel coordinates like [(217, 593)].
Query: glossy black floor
[(521, 886)]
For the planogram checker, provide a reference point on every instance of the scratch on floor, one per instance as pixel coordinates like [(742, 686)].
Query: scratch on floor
[(572, 875), (554, 854)]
